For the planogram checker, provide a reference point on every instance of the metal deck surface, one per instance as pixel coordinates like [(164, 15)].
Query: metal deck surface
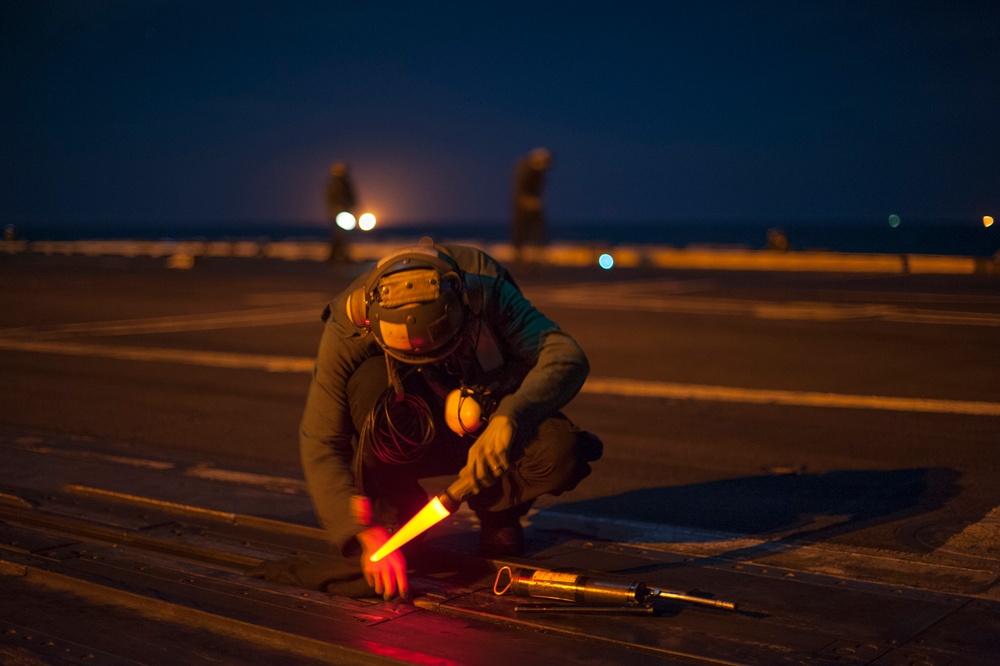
[(154, 567)]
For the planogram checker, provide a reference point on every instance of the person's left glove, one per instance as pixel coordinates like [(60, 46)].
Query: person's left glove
[(488, 457), (387, 576)]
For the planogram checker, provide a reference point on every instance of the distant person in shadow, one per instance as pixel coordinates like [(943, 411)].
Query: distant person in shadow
[(340, 198), (528, 232)]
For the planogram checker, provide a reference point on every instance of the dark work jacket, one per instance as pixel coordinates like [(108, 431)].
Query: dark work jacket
[(543, 367)]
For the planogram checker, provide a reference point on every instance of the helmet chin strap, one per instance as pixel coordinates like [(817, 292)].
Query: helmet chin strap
[(393, 370), (395, 381)]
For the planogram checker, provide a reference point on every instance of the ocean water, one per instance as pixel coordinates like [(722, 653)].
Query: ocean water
[(966, 238)]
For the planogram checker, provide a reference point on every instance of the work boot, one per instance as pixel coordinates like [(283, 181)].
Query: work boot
[(501, 534)]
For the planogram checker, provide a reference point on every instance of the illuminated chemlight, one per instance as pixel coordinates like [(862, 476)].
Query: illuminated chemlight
[(606, 261), (894, 221), (429, 516), (987, 220), (366, 222), (346, 221)]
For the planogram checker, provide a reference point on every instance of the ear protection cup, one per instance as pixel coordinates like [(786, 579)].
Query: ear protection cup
[(357, 307)]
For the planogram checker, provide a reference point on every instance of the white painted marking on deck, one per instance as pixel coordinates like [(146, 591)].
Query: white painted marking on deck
[(129, 461), (175, 324), (618, 530), (163, 355), (613, 386), (656, 389), (978, 540), (650, 297), (282, 484)]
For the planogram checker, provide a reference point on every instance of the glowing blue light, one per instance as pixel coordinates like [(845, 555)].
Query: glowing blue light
[(606, 261), (894, 221)]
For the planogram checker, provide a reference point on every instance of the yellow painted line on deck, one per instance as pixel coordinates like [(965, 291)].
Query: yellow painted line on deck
[(566, 254), (595, 386)]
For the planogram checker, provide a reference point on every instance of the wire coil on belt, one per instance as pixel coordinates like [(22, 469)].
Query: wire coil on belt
[(400, 428)]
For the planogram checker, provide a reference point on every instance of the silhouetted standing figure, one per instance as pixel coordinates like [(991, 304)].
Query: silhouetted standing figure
[(777, 240), (528, 227), (339, 199)]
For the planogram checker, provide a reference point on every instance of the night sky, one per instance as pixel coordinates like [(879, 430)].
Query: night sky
[(208, 111)]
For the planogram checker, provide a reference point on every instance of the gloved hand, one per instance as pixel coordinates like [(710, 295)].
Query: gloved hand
[(387, 576), (488, 457)]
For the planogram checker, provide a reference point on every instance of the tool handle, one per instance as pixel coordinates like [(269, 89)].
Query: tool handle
[(462, 488), (459, 490)]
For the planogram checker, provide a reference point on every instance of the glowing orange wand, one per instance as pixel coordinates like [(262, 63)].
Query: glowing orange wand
[(437, 510)]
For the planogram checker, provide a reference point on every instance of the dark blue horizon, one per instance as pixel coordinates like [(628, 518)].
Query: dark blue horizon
[(916, 236)]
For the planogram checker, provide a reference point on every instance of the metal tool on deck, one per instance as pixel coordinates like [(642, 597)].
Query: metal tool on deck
[(595, 594)]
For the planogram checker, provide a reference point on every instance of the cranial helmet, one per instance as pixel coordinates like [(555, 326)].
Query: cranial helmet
[(413, 304)]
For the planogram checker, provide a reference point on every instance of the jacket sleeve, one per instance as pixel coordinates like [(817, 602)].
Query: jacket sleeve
[(558, 365), (327, 434)]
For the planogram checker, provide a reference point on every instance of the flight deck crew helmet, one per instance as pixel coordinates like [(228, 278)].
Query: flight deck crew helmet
[(413, 304)]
